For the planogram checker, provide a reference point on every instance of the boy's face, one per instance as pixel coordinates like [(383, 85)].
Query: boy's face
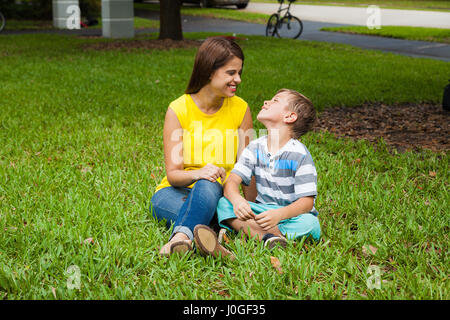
[(275, 110)]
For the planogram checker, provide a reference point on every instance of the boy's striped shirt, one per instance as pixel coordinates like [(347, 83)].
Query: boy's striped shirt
[(281, 178)]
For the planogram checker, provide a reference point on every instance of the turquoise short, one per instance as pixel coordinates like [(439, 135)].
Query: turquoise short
[(302, 225)]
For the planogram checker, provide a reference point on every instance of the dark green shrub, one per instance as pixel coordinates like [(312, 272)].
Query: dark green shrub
[(27, 9), (42, 9)]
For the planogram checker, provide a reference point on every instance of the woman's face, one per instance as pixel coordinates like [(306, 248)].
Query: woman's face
[(225, 80)]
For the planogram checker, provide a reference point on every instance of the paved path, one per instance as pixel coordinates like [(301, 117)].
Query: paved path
[(311, 31), (359, 16)]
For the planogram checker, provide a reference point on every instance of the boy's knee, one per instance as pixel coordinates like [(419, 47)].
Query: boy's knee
[(306, 225), (314, 224), (309, 219)]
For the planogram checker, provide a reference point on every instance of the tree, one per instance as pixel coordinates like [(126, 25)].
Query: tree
[(170, 20)]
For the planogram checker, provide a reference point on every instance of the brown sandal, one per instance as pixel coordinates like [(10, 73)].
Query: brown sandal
[(207, 243), (182, 247)]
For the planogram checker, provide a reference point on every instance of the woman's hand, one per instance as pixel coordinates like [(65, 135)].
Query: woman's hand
[(210, 172)]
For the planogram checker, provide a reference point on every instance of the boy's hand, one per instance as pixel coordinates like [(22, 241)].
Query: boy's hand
[(268, 219), (242, 209)]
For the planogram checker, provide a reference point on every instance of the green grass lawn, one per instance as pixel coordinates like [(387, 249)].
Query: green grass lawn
[(13, 24), (226, 13), (410, 33), (219, 12), (442, 5), (81, 137)]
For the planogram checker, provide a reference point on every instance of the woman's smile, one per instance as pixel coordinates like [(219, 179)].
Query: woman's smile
[(227, 77)]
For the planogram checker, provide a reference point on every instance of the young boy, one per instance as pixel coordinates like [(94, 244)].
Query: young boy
[(286, 180)]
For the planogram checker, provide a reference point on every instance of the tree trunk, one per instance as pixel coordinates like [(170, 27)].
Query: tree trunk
[(170, 20)]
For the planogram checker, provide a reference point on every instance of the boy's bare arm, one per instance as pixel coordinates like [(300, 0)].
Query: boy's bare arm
[(250, 192), (241, 207), (271, 218), (302, 205)]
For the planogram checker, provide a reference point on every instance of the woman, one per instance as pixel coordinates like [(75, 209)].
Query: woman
[(200, 146)]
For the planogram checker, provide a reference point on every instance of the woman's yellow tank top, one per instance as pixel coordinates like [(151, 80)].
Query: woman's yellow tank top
[(208, 138)]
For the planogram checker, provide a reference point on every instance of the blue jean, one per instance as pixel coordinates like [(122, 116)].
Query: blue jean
[(185, 208)]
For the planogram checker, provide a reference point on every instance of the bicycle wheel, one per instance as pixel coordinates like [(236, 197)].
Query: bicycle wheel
[(271, 28), (290, 27), (2, 22)]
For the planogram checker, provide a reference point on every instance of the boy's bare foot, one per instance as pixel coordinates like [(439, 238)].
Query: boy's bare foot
[(251, 228)]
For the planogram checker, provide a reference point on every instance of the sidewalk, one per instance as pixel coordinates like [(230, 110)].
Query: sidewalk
[(311, 31), (359, 15)]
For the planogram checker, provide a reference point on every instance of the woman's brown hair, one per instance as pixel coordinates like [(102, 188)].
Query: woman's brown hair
[(213, 54)]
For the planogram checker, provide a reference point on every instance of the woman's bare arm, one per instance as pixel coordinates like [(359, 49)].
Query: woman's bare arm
[(173, 152)]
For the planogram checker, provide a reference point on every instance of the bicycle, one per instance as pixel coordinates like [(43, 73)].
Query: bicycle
[(287, 26), (2, 22)]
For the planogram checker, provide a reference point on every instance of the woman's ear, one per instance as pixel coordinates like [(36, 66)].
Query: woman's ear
[(212, 75)]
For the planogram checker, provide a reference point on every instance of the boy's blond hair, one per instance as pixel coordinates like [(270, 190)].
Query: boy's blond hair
[(306, 113)]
